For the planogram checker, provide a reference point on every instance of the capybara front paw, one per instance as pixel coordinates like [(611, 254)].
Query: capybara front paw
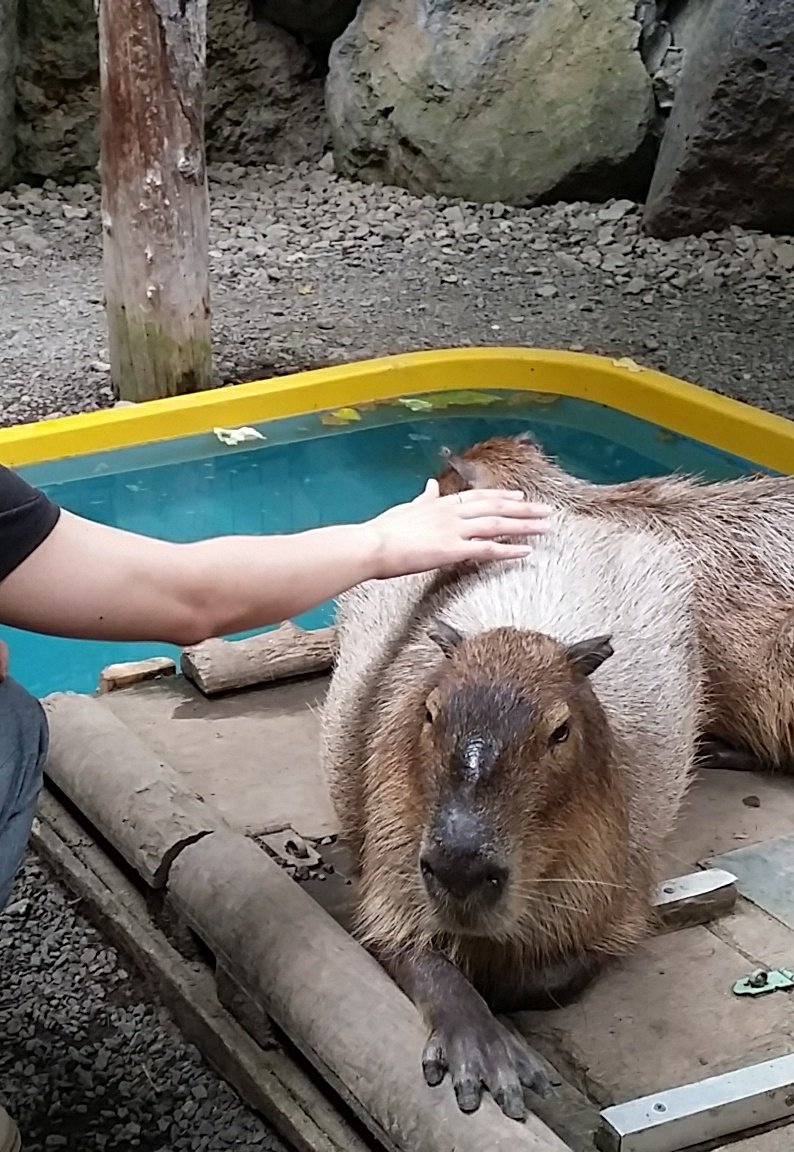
[(482, 1053)]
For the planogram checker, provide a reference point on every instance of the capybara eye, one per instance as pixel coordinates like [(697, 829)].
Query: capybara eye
[(561, 734)]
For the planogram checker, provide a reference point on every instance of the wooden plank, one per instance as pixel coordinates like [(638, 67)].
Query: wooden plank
[(673, 997), (155, 198), (252, 755)]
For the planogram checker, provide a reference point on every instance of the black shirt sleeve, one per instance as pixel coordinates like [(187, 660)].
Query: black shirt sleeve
[(27, 517)]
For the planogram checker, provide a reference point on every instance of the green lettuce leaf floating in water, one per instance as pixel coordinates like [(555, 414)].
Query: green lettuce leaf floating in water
[(440, 400)]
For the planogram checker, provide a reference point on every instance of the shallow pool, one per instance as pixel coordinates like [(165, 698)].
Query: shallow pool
[(322, 469)]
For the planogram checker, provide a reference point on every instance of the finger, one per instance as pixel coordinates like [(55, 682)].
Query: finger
[(492, 550), (518, 509), (429, 493), (486, 527), (470, 495)]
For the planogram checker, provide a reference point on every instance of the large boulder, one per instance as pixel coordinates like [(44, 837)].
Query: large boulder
[(510, 100), (315, 21), (727, 156), (264, 93)]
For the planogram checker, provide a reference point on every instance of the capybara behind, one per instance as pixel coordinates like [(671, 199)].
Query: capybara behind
[(739, 536), (507, 750)]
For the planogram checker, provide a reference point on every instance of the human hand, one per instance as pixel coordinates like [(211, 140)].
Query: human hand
[(3, 661), (433, 530)]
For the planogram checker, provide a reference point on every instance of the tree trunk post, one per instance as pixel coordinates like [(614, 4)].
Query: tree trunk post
[(8, 77), (155, 197)]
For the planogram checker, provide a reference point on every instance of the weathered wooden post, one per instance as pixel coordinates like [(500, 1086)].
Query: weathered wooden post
[(155, 199)]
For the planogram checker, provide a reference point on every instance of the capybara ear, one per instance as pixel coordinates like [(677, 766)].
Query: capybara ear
[(473, 475), (587, 655), (445, 636)]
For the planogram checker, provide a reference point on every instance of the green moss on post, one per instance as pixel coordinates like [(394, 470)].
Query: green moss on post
[(182, 364), (155, 199)]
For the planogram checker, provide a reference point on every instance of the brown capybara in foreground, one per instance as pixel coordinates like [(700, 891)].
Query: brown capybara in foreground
[(739, 536), (507, 750)]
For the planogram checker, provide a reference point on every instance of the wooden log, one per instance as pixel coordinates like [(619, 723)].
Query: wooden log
[(216, 666), (333, 1001), (138, 802), (114, 677), (155, 199), (268, 1080), (8, 94)]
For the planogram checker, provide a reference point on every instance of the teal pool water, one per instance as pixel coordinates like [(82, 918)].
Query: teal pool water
[(307, 473)]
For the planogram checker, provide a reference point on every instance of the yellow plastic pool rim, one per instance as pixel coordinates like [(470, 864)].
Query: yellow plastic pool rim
[(757, 436)]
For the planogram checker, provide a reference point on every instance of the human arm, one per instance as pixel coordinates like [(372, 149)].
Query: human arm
[(92, 581)]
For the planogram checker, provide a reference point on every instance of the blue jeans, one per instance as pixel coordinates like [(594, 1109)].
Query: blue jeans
[(23, 749)]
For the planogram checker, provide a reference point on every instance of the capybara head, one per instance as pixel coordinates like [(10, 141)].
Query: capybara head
[(500, 462), (513, 742)]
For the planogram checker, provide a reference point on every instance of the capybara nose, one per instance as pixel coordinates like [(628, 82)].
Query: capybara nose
[(458, 857), (462, 874)]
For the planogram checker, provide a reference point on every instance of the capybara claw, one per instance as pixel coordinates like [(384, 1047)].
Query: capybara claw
[(481, 1053), (434, 1065)]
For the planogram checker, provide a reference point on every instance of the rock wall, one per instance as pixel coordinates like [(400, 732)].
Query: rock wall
[(8, 60), (264, 91)]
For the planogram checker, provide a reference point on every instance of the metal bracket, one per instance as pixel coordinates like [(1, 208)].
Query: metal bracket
[(765, 980), (696, 898), (705, 1110)]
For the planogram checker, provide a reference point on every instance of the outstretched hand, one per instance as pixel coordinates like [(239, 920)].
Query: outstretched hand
[(433, 530)]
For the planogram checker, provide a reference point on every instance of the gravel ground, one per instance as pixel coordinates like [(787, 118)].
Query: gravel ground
[(309, 269), (87, 1062)]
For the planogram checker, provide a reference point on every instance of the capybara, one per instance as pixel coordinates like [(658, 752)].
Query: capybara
[(739, 536), (507, 749)]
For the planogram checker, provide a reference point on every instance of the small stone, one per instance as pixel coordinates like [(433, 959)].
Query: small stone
[(784, 255), (547, 291), (616, 211)]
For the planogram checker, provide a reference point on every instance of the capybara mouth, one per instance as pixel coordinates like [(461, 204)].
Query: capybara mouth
[(464, 917)]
